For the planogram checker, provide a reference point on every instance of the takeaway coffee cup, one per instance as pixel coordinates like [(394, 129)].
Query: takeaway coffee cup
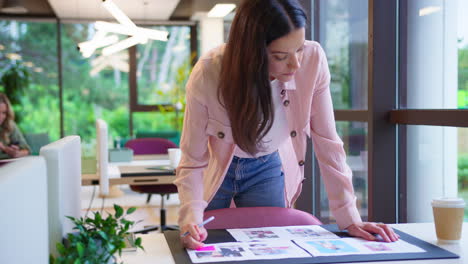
[(174, 156), (448, 219)]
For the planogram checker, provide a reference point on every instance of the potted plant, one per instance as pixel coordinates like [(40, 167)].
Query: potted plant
[(97, 239)]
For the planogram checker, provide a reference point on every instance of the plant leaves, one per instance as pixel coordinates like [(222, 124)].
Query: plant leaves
[(80, 248), (60, 248), (103, 235), (138, 242), (118, 211), (131, 210)]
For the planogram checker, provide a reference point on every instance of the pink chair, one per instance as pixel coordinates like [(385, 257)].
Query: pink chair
[(147, 146), (250, 217)]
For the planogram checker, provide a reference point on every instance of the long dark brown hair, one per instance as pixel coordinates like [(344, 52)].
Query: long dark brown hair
[(7, 124), (245, 89)]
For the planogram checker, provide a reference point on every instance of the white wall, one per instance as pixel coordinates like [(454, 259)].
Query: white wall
[(211, 32)]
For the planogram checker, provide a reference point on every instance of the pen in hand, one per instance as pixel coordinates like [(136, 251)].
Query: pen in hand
[(211, 218)]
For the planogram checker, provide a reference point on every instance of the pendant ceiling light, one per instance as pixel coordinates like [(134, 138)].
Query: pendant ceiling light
[(111, 44)]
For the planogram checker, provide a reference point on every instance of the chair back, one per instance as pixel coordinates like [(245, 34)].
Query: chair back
[(250, 217), (147, 146), (63, 159), (36, 141), (24, 235)]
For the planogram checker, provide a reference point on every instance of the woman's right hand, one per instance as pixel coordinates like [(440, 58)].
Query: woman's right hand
[(13, 151), (196, 236)]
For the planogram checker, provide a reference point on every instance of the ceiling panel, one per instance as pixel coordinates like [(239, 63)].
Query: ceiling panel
[(138, 10)]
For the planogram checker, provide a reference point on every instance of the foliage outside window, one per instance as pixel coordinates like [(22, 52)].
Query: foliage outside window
[(33, 47), (163, 69)]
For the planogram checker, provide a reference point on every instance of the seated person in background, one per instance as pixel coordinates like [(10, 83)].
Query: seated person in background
[(12, 142)]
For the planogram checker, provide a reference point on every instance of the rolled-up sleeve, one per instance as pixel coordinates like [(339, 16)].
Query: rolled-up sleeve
[(328, 147), (194, 146)]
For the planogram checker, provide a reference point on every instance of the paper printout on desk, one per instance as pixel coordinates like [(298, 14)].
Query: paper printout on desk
[(353, 246), (238, 251), (292, 242), (281, 232)]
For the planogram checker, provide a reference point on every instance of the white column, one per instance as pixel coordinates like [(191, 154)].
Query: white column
[(432, 84), (211, 32)]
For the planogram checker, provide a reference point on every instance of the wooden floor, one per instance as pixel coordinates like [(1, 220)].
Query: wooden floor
[(145, 215)]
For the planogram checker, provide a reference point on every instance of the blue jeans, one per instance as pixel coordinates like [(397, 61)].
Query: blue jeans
[(251, 182)]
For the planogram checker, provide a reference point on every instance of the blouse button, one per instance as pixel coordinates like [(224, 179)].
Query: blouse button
[(286, 103), (220, 134), (301, 163), (283, 92), (293, 133)]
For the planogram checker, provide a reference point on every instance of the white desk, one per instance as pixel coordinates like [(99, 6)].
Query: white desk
[(138, 160), (157, 250)]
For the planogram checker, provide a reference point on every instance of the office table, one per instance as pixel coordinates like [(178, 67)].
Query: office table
[(114, 174), (157, 250)]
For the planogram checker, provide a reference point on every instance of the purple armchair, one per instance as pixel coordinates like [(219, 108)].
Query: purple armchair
[(146, 146), (250, 217)]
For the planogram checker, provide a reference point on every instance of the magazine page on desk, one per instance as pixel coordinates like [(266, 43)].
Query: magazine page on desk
[(239, 251), (283, 232), (102, 156), (353, 246)]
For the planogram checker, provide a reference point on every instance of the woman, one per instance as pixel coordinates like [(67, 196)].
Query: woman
[(250, 106), (12, 143)]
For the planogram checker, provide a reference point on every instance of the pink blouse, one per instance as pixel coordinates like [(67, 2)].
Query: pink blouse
[(208, 147)]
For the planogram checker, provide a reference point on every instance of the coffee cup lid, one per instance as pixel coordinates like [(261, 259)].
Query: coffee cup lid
[(448, 202)]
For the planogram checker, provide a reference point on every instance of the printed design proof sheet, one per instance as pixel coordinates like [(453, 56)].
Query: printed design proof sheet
[(238, 251), (282, 233), (292, 242), (352, 246)]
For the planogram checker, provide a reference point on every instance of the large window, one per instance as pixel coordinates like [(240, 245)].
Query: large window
[(162, 71), (344, 36), (98, 86), (399, 85), (434, 77), (95, 87), (31, 47), (343, 33)]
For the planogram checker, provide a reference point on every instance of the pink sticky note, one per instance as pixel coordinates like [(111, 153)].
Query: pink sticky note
[(207, 248)]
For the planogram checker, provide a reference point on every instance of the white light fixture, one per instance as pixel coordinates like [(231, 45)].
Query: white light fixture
[(124, 44), (221, 10), (136, 34), (88, 47), (117, 13), (132, 31), (428, 10)]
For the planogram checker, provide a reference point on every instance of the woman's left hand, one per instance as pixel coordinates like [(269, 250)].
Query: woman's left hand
[(367, 229)]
